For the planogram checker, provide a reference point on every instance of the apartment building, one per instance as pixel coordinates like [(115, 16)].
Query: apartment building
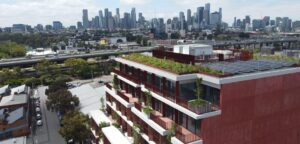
[(237, 102), (14, 113)]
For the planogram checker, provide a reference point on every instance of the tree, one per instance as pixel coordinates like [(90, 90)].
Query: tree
[(172, 132), (198, 89), (79, 67), (75, 127), (62, 100)]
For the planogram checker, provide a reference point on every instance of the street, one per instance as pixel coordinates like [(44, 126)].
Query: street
[(48, 133)]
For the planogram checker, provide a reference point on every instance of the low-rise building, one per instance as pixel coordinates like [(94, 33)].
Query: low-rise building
[(14, 113)]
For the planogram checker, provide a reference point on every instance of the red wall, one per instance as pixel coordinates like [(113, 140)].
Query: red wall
[(263, 111)]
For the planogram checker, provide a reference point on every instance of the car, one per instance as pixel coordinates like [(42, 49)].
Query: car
[(39, 123), (37, 109), (100, 82), (38, 116)]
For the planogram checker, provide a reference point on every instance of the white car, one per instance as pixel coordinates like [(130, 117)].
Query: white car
[(38, 116), (37, 109), (39, 123)]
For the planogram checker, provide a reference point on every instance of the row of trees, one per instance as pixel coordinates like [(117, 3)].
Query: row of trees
[(34, 40), (10, 49), (47, 72), (75, 124)]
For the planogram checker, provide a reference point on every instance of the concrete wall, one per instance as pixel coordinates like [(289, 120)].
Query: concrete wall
[(263, 111)]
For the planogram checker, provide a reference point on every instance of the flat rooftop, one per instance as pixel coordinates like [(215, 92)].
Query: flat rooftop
[(250, 66)]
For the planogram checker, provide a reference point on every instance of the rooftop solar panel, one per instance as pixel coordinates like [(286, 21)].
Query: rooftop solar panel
[(241, 67)]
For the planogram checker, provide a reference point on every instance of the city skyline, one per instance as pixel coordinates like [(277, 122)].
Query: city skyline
[(46, 11)]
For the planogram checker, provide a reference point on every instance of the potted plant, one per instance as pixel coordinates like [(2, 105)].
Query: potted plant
[(147, 110)]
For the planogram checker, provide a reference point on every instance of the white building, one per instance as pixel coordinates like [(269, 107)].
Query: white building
[(194, 49)]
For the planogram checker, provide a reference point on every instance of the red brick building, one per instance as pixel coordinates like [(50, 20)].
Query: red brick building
[(252, 102)]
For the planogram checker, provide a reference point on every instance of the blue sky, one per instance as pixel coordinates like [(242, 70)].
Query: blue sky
[(70, 11)]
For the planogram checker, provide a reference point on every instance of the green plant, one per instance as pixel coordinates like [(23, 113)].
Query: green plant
[(148, 98), (116, 83), (197, 102), (116, 125), (103, 124), (172, 132), (136, 134), (102, 104), (169, 65), (147, 110), (198, 89), (115, 116)]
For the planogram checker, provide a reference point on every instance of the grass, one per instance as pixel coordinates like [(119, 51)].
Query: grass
[(169, 65), (197, 102), (273, 57)]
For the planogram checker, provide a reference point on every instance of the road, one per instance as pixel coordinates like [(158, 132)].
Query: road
[(48, 133), (34, 60)]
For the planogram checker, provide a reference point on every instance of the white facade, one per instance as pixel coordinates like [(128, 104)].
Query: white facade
[(194, 49)]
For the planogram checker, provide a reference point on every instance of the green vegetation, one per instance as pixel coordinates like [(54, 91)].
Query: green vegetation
[(116, 83), (273, 57), (60, 98), (102, 104), (11, 49), (75, 127), (136, 134), (33, 40), (147, 110), (198, 92), (169, 65), (172, 132)]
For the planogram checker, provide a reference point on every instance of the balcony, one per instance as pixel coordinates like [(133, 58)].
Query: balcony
[(164, 93), (182, 133), (201, 109), (185, 135), (127, 97), (158, 118), (127, 76)]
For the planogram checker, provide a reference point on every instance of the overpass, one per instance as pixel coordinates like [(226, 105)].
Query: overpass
[(22, 62)]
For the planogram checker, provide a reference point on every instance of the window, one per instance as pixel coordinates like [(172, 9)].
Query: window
[(187, 91)]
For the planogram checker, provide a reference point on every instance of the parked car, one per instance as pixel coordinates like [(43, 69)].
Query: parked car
[(38, 116), (39, 123), (37, 109)]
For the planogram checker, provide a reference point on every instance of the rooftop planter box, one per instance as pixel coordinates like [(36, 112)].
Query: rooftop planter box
[(168, 65)]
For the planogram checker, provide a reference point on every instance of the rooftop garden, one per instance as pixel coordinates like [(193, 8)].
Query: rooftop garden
[(169, 65), (274, 57)]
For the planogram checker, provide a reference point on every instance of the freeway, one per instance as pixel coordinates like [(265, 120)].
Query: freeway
[(33, 60)]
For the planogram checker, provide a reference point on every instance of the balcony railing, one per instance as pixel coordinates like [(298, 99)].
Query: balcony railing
[(108, 86), (123, 96), (127, 76), (138, 106), (163, 93), (186, 138), (159, 121), (201, 109)]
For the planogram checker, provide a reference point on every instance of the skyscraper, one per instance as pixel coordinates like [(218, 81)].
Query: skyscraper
[(189, 17), (200, 11), (207, 13), (85, 19), (101, 19), (106, 17), (57, 25), (133, 18), (117, 17), (181, 19)]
